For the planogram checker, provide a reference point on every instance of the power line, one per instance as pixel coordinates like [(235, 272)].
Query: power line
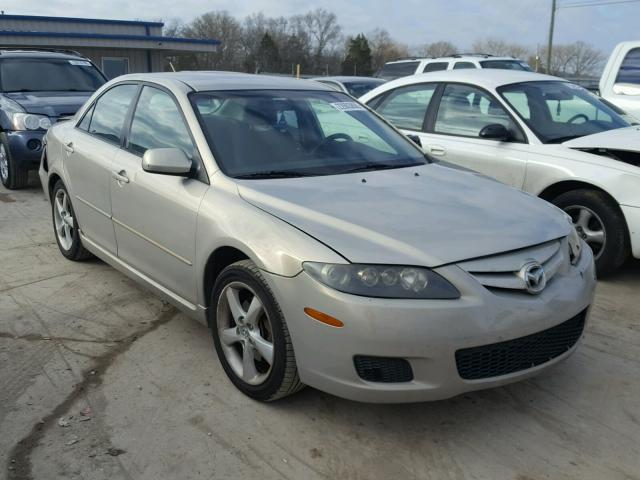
[(596, 3)]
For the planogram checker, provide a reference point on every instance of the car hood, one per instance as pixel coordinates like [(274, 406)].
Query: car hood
[(428, 215), (53, 104), (619, 139)]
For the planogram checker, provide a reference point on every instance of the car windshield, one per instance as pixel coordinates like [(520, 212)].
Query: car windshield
[(506, 65), (558, 111), (49, 75), (360, 87), (284, 133)]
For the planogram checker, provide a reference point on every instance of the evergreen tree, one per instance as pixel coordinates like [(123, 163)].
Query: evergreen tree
[(358, 58)]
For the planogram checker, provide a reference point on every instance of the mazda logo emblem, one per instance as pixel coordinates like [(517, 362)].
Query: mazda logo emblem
[(535, 280)]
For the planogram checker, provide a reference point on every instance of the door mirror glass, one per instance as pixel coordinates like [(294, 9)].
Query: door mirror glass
[(494, 131), (166, 161), (626, 89)]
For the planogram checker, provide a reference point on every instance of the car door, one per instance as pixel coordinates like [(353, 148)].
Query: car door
[(452, 133), (155, 215), (90, 151)]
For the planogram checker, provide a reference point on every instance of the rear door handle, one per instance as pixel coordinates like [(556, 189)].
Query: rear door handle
[(69, 147), (120, 176), (437, 150)]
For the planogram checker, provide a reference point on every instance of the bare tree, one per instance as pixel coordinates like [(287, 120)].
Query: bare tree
[(495, 46), (218, 25), (586, 59), (322, 26), (441, 48), (384, 48)]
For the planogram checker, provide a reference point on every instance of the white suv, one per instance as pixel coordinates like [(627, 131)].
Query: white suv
[(412, 66)]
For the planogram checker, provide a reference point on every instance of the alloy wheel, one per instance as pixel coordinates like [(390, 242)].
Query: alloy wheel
[(245, 332), (4, 163), (63, 219), (590, 227)]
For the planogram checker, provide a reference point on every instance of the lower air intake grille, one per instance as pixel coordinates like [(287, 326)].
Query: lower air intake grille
[(381, 369), (519, 354)]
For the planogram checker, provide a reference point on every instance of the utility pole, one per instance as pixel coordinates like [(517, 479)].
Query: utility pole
[(551, 27)]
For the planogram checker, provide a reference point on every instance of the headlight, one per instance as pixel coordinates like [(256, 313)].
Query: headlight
[(575, 246), (30, 121), (382, 281)]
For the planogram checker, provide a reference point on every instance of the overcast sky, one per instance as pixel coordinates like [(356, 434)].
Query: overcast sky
[(410, 21)]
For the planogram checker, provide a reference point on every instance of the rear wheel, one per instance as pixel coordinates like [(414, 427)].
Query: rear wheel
[(601, 225), (12, 176), (65, 225), (250, 334)]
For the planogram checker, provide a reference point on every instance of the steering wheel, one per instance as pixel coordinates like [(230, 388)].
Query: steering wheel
[(332, 138), (577, 116)]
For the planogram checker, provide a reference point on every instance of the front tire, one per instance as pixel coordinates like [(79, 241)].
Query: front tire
[(11, 175), (600, 223), (65, 225), (250, 334)]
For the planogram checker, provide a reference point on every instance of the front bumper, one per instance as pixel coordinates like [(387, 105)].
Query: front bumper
[(427, 333), (632, 216), (26, 148)]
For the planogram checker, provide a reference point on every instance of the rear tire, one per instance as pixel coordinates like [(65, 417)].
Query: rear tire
[(248, 330), (65, 225), (600, 223), (12, 176)]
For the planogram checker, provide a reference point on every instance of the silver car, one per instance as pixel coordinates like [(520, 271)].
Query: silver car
[(319, 244)]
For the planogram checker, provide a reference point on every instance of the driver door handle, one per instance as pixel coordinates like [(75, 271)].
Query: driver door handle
[(120, 176), (437, 150), (69, 147)]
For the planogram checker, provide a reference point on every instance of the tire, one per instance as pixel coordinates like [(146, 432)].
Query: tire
[(593, 211), (65, 225), (240, 337), (12, 176)]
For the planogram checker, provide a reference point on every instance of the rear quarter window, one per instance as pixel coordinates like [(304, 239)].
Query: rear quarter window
[(630, 68)]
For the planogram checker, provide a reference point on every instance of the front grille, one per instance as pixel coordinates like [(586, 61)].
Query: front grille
[(514, 355), (384, 370)]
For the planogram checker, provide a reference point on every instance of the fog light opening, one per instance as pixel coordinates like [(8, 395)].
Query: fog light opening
[(34, 144), (323, 318)]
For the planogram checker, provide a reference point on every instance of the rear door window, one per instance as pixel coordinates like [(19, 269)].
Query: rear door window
[(630, 68), (110, 112), (463, 65), (435, 66), (399, 69), (406, 107)]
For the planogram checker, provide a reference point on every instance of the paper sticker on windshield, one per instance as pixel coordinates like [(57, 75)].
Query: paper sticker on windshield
[(347, 106), (80, 63)]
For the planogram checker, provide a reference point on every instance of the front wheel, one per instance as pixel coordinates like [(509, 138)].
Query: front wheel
[(250, 334), (601, 225), (11, 175)]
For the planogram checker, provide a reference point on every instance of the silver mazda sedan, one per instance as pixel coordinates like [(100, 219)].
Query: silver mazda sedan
[(318, 243)]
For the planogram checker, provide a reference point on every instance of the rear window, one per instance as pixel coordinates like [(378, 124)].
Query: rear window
[(49, 75), (399, 69), (507, 65), (630, 69)]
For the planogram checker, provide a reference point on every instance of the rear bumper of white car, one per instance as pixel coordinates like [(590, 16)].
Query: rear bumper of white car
[(418, 350), (632, 216)]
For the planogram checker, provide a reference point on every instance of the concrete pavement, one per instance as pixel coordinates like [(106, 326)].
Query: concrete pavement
[(101, 380)]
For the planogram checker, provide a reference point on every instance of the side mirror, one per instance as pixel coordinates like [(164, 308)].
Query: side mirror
[(415, 139), (626, 89), (495, 131), (166, 161)]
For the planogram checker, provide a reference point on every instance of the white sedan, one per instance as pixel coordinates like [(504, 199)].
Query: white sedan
[(535, 132)]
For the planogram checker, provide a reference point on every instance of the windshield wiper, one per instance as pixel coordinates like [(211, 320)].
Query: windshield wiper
[(564, 139), (379, 166), (274, 174)]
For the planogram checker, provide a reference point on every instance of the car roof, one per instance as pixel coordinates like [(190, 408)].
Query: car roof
[(26, 53), (488, 78), (459, 58), (346, 78), (203, 81)]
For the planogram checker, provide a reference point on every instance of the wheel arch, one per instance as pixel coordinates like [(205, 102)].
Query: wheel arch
[(558, 188), (217, 261), (51, 182)]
